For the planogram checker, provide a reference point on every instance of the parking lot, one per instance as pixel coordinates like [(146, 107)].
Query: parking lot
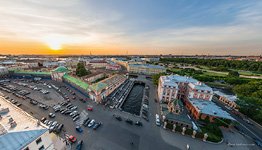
[(111, 134)]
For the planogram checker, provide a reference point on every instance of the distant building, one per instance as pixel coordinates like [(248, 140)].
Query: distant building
[(151, 59), (58, 73), (196, 96), (51, 64), (98, 63), (145, 69), (3, 71), (21, 131), (102, 89), (113, 67)]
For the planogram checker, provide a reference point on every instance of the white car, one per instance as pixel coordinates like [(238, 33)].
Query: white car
[(92, 122), (157, 120)]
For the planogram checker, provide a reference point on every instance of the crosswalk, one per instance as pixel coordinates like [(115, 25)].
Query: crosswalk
[(83, 115)]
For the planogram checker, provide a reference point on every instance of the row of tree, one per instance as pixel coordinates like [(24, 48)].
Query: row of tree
[(220, 63), (250, 99)]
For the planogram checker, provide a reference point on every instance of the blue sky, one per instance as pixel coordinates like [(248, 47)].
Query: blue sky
[(156, 26)]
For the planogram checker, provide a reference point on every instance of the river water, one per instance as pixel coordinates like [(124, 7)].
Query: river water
[(133, 101)]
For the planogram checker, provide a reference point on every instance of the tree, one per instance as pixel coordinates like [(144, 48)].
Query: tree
[(81, 70), (233, 74)]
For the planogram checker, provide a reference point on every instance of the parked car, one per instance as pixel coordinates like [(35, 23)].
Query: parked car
[(92, 122), (258, 142), (76, 118), (71, 138), (43, 119), (46, 122), (18, 104), (118, 118), (86, 123), (157, 120), (138, 123), (79, 129), (51, 115), (97, 125), (59, 128), (89, 108), (79, 145), (129, 121)]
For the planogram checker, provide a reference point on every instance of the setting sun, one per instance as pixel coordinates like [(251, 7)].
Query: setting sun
[(53, 43)]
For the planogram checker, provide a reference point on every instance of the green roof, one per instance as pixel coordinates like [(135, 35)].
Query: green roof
[(31, 72), (98, 86), (61, 69), (76, 81)]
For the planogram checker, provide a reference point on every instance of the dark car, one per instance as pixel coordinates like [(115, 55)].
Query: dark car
[(79, 145), (258, 143), (138, 123), (51, 115), (118, 118), (59, 128), (79, 129), (18, 104), (97, 125), (129, 121), (76, 118), (43, 119), (87, 122)]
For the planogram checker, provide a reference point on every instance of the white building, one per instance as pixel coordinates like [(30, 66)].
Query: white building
[(21, 131), (51, 64), (3, 71), (181, 87)]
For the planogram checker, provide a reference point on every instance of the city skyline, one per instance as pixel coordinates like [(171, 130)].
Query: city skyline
[(115, 27)]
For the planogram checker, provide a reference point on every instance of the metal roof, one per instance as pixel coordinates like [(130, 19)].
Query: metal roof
[(19, 140), (209, 108)]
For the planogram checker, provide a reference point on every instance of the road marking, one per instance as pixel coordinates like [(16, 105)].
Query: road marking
[(83, 115)]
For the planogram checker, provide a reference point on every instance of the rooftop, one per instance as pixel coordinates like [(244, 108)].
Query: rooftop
[(229, 97), (106, 82), (32, 72), (26, 130), (76, 81), (209, 108), (61, 69)]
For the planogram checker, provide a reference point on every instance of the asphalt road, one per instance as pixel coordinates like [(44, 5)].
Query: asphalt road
[(253, 131), (112, 135)]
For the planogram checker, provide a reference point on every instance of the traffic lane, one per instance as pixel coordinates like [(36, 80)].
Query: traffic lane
[(251, 130)]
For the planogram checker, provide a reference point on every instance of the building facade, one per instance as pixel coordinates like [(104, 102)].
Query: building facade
[(58, 73), (145, 69), (227, 100), (3, 72), (102, 89), (195, 95)]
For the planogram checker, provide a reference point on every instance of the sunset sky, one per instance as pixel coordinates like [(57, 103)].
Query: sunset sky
[(137, 26)]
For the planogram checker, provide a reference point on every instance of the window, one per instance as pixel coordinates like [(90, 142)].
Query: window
[(42, 147), (26, 148), (38, 140)]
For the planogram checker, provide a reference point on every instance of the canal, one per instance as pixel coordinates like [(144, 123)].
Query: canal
[(133, 101)]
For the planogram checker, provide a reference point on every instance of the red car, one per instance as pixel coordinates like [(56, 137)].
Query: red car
[(89, 108), (72, 139)]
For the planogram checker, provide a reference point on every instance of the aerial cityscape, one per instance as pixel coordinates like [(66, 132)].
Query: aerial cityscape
[(130, 75)]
